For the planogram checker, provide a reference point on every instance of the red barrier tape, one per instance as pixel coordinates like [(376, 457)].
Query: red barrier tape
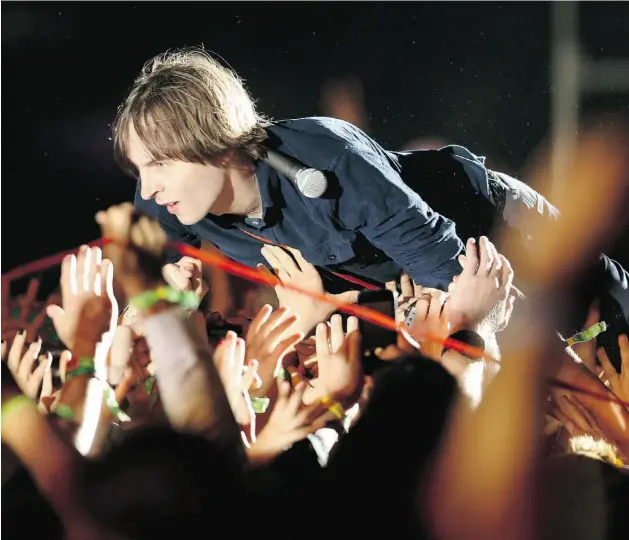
[(217, 260)]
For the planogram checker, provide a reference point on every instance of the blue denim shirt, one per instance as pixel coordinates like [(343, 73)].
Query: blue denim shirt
[(369, 224)]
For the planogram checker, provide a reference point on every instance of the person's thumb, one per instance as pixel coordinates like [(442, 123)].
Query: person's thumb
[(348, 297), (174, 277), (55, 313)]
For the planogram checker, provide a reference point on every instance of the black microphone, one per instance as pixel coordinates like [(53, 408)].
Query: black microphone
[(311, 183)]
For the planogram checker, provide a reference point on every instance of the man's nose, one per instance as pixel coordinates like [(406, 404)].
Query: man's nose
[(148, 189)]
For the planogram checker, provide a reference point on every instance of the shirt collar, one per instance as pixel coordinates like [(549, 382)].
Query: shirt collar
[(267, 180)]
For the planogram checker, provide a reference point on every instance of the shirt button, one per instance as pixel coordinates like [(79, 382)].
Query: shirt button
[(332, 258)]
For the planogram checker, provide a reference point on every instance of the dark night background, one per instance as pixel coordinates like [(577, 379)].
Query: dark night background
[(471, 73)]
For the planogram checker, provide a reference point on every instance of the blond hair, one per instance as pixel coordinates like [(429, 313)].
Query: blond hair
[(186, 106)]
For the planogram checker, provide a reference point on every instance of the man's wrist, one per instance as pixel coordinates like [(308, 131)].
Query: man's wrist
[(473, 344), (462, 322)]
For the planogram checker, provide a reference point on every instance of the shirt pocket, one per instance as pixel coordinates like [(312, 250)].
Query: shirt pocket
[(334, 251)]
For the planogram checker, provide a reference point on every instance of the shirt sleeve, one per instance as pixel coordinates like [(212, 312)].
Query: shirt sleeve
[(377, 203), (173, 228)]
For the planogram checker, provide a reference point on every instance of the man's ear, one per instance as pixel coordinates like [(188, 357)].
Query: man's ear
[(236, 159)]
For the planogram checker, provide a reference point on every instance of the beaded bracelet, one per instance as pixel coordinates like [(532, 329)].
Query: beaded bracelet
[(145, 300)]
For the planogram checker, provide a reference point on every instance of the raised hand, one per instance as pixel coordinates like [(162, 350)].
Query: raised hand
[(408, 288), (618, 383), (297, 271), (289, 422), (48, 399), (270, 336), (431, 323), (20, 359), (229, 358), (136, 247), (409, 293), (339, 363), (187, 275), (87, 298), (600, 416), (575, 416), (483, 288)]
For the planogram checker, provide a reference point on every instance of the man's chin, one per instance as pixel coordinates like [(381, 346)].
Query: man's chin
[(189, 220)]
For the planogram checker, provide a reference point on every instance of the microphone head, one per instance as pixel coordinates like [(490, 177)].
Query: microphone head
[(311, 183)]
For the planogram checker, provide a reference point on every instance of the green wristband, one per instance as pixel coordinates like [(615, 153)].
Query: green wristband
[(81, 370), (588, 334), (148, 384), (83, 366), (14, 404), (64, 412), (145, 300), (112, 405), (260, 404), (281, 373), (85, 361)]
